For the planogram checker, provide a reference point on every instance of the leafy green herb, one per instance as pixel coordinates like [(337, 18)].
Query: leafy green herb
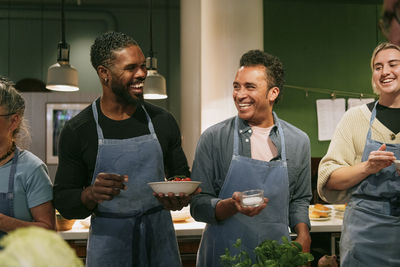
[(268, 254)]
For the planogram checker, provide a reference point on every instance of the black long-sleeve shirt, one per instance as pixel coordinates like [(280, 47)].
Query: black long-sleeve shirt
[(78, 151)]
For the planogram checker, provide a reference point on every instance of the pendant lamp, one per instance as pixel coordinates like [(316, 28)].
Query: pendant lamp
[(154, 85), (62, 76)]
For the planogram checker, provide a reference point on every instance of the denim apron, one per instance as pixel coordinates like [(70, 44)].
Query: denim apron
[(272, 223), (132, 229), (371, 224), (7, 199)]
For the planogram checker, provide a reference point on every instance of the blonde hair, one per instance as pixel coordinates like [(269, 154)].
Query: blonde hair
[(379, 48), (13, 103)]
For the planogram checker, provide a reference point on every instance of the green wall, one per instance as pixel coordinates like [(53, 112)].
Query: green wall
[(322, 44), (31, 32)]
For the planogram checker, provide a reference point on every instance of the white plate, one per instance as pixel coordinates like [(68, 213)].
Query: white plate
[(176, 187), (320, 219)]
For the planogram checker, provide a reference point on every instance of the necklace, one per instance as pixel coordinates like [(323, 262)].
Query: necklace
[(9, 152)]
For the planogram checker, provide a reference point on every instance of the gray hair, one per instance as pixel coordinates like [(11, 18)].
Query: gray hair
[(13, 103)]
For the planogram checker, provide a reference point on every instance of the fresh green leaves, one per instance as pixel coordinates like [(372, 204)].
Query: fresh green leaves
[(268, 254)]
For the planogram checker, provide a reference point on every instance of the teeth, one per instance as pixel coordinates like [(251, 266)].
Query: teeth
[(138, 85), (387, 80), (244, 105)]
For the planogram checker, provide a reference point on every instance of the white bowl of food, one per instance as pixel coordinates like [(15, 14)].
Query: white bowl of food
[(175, 187)]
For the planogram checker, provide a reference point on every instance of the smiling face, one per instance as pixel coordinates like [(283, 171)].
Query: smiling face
[(252, 98), (128, 72), (386, 73)]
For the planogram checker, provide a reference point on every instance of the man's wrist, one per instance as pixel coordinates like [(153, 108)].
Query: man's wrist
[(88, 199)]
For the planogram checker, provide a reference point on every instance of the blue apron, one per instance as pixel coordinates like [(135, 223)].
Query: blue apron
[(272, 223), (371, 225), (7, 199), (132, 229)]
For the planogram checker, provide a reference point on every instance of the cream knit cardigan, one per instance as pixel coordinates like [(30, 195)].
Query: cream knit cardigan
[(347, 146)]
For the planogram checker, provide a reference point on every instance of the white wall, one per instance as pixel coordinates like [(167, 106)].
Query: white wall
[(214, 35)]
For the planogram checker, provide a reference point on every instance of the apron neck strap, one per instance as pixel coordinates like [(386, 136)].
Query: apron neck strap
[(100, 131), (280, 131), (371, 120)]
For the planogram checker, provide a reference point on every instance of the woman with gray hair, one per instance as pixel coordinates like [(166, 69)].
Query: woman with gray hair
[(25, 187)]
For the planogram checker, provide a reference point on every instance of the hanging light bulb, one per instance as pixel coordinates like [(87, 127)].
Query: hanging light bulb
[(62, 76), (155, 84)]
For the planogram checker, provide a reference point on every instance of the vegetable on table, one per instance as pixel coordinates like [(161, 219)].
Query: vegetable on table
[(268, 254)]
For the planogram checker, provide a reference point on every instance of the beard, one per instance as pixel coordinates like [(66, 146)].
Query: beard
[(123, 96)]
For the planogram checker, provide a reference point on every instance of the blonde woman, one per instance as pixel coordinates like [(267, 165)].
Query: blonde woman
[(359, 169)]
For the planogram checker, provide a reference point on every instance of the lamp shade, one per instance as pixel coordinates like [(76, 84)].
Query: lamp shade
[(62, 77), (154, 86)]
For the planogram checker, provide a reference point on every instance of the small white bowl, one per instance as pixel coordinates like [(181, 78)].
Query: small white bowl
[(397, 164), (252, 198), (176, 187)]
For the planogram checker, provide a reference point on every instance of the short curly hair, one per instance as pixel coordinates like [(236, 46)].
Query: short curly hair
[(274, 68), (102, 50)]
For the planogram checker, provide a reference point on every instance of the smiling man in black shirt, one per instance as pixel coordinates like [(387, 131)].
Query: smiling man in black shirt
[(107, 155)]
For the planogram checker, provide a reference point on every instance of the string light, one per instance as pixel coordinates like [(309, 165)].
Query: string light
[(332, 93)]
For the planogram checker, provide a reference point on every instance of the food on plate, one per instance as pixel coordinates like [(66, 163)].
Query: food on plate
[(181, 215), (179, 178), (63, 224), (321, 207), (318, 214)]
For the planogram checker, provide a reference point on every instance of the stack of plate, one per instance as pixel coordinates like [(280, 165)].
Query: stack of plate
[(339, 211)]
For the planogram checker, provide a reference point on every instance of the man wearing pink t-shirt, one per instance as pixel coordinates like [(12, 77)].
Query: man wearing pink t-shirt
[(253, 150)]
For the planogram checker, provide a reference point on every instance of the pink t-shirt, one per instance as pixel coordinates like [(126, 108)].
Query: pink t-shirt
[(262, 147)]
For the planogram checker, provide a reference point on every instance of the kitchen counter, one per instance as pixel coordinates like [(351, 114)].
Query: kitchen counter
[(191, 227), (186, 228)]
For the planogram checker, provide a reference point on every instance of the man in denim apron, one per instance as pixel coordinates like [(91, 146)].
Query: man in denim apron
[(129, 226), (254, 150)]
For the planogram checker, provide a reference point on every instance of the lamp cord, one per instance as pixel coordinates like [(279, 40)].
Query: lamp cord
[(151, 54), (62, 22)]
